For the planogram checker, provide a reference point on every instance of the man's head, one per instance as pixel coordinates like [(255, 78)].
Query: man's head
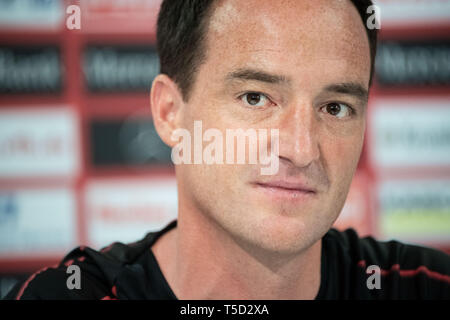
[(181, 32), (300, 66)]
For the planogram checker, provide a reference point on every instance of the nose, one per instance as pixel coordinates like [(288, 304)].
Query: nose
[(299, 140)]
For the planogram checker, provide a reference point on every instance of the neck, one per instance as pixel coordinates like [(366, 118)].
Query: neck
[(200, 260)]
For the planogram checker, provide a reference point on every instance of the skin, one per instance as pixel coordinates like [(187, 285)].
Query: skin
[(237, 238)]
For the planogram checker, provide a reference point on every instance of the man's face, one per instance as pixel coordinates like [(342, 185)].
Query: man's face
[(301, 67)]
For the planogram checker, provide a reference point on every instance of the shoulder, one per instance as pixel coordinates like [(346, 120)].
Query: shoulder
[(388, 254), (406, 270), (83, 273), (75, 277)]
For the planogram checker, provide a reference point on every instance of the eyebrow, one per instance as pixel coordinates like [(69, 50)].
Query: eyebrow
[(257, 75), (350, 88)]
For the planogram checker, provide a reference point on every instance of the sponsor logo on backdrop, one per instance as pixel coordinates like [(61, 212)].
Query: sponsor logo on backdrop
[(133, 141), (30, 70), (120, 68), (126, 210), (406, 63), (37, 222), (417, 210), (410, 133), (38, 143)]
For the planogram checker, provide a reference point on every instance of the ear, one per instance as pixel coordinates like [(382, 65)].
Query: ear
[(166, 104)]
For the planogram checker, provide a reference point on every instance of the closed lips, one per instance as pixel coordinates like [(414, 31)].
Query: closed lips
[(289, 186)]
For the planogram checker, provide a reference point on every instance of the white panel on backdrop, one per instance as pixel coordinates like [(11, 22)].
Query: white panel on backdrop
[(35, 222), (32, 13), (119, 16), (415, 210), (125, 210), (410, 12), (38, 143), (410, 133)]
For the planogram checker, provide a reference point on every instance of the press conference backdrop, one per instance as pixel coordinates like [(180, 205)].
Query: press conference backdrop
[(81, 163)]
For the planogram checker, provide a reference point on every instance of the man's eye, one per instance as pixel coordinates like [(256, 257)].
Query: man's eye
[(338, 110), (254, 99)]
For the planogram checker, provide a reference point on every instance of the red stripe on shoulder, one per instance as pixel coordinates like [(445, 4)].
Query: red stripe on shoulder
[(108, 298), (26, 283), (114, 291), (411, 272), (69, 262)]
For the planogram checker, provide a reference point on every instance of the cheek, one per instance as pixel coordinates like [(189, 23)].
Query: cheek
[(341, 159), (341, 156)]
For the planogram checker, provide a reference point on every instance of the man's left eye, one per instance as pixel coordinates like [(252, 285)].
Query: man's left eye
[(254, 99), (338, 110)]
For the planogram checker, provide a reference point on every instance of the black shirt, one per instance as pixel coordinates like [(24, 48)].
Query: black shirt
[(131, 271)]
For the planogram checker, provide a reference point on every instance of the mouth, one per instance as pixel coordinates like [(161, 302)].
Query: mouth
[(284, 190)]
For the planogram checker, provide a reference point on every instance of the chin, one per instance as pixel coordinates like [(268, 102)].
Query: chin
[(282, 234)]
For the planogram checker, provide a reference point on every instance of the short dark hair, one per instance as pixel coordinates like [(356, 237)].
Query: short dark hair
[(181, 33)]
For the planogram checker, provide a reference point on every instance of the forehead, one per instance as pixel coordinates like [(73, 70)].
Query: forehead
[(285, 34)]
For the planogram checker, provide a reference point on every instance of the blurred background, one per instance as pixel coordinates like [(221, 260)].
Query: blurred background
[(81, 163)]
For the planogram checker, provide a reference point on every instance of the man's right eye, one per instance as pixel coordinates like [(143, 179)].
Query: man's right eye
[(255, 99)]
